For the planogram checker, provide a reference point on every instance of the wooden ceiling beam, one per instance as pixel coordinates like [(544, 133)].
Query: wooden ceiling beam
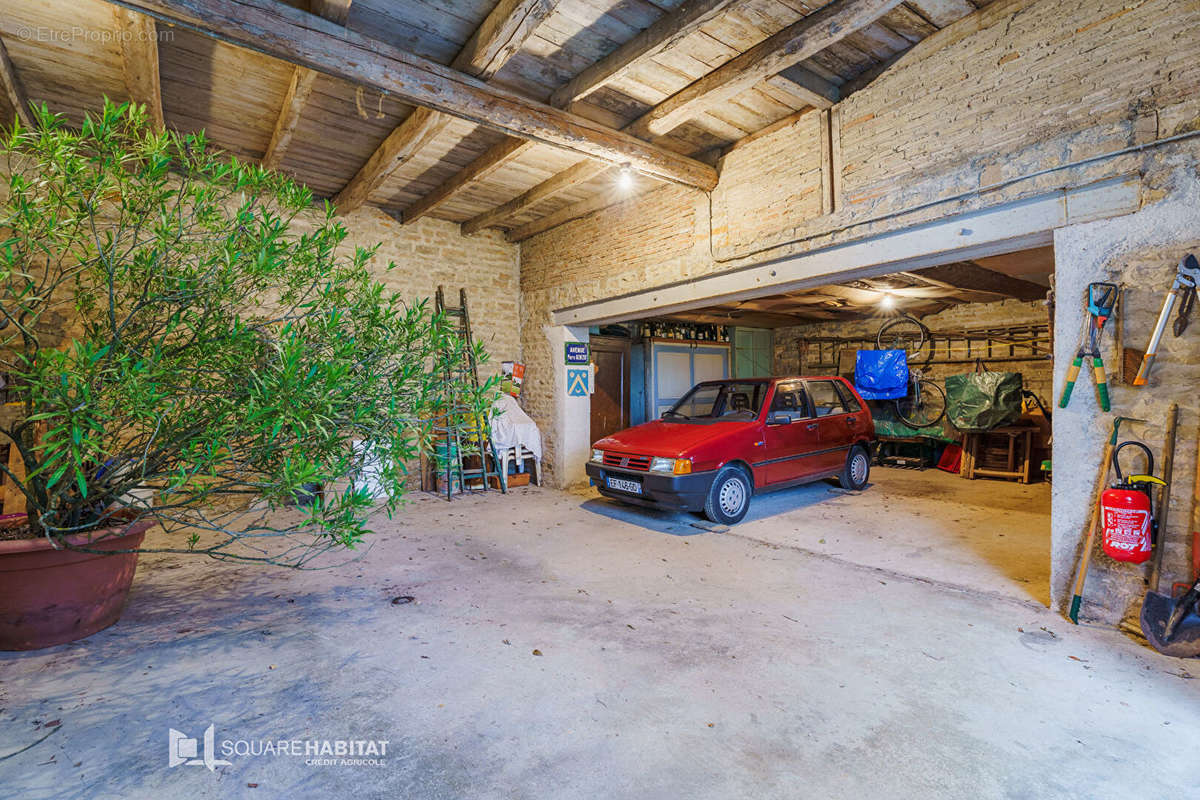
[(668, 31), (138, 35), (290, 112), (14, 90), (496, 157), (501, 36), (665, 33), (811, 87), (795, 43), (333, 10), (574, 175), (299, 89), (280, 31), (574, 211), (942, 12), (798, 41), (496, 40)]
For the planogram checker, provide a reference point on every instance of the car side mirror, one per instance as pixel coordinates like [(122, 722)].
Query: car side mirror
[(779, 419)]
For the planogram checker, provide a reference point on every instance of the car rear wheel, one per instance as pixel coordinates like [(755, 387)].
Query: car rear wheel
[(857, 470), (729, 496)]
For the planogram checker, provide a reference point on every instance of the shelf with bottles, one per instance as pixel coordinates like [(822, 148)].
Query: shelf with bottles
[(685, 332)]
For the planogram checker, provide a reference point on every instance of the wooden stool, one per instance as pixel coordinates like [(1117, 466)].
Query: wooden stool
[(996, 454)]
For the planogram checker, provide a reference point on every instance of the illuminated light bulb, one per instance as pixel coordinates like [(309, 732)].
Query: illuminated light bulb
[(887, 301), (625, 177)]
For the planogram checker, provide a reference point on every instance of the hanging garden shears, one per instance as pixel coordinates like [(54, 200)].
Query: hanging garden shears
[(1102, 297)]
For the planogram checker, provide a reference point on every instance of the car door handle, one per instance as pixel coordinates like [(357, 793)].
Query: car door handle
[(812, 426), (851, 420)]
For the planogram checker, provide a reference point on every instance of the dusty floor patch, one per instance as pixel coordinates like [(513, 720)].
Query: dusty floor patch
[(674, 663)]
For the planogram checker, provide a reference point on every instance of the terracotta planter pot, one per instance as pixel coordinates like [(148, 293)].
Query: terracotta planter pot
[(50, 597)]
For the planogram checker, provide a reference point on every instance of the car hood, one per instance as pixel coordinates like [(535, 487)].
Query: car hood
[(662, 438)]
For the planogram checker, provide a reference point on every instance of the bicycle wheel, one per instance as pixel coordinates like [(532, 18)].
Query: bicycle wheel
[(923, 406), (904, 333)]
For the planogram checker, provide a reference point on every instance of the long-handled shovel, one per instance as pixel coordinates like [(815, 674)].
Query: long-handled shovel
[(1085, 557), (1173, 626)]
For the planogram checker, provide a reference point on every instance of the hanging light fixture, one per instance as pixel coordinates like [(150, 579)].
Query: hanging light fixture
[(888, 301), (625, 178)]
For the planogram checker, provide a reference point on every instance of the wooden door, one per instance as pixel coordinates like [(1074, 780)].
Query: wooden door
[(610, 397)]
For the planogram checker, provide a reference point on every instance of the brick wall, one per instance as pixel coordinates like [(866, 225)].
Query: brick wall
[(1013, 89)]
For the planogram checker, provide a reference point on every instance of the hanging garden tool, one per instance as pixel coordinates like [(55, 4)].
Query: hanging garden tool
[(1183, 291), (1101, 299), (1127, 511)]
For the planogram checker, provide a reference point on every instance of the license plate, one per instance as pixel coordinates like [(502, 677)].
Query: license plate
[(633, 487)]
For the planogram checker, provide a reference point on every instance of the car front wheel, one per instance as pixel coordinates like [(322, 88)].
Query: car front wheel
[(729, 496), (857, 471)]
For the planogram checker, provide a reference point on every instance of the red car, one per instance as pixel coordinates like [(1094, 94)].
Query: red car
[(725, 440)]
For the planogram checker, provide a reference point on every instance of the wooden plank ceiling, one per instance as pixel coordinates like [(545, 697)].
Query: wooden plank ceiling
[(511, 114), (1021, 276)]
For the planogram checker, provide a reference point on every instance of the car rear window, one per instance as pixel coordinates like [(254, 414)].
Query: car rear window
[(825, 398), (848, 399), (789, 401)]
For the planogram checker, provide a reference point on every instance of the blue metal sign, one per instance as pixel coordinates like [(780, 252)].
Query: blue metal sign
[(577, 353), (577, 382)]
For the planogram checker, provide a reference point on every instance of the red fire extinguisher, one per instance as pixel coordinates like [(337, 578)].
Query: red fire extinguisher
[(1128, 512)]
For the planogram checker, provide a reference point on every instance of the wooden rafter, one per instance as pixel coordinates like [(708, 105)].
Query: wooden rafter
[(290, 112), (138, 34), (808, 85), (13, 89), (333, 10), (292, 35), (663, 34), (574, 175), (604, 199), (497, 156), (497, 39), (808, 36), (793, 44), (299, 89), (942, 12), (501, 36)]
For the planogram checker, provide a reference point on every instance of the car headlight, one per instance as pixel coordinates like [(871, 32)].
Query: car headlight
[(677, 466), (597, 455)]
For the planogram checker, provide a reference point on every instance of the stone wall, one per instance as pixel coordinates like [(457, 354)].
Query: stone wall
[(430, 253), (1018, 99), (1139, 251)]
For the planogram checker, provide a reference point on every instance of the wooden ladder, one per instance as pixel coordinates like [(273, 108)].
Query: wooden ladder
[(463, 432)]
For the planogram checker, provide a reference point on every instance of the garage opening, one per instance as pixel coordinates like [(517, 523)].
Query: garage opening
[(963, 465)]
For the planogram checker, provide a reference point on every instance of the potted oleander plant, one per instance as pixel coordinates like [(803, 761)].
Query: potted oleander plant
[(186, 341)]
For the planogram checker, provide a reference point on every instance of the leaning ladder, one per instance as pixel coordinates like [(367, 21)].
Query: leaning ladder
[(462, 431)]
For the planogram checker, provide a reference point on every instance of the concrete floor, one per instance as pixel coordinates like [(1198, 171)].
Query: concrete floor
[(674, 662)]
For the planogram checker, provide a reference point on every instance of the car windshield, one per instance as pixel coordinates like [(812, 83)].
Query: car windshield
[(727, 400)]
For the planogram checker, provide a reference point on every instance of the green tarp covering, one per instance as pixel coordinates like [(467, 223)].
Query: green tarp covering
[(980, 401), (888, 424)]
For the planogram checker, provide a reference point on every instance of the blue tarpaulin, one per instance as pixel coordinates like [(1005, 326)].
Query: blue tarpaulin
[(881, 374)]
